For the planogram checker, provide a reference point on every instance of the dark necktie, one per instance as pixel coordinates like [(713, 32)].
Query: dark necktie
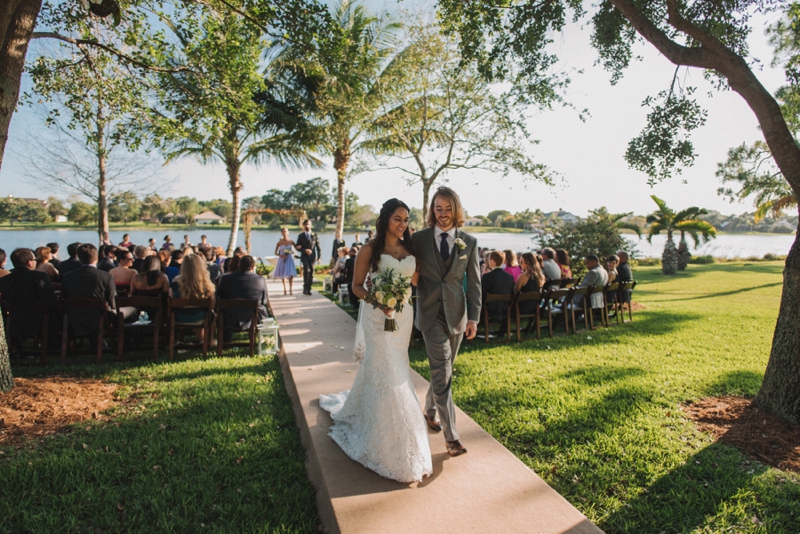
[(444, 248)]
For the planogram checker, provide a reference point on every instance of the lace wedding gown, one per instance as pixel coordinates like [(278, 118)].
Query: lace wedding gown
[(379, 422)]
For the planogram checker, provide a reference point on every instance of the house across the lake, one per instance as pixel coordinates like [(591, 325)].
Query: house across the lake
[(208, 217)]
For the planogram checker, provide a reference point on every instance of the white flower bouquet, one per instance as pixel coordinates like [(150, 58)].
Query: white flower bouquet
[(287, 251), (390, 290)]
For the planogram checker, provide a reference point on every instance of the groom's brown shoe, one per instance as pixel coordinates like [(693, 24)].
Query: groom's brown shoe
[(433, 423), (455, 448)]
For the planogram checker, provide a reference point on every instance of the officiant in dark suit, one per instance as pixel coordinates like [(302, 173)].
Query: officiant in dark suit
[(308, 245)]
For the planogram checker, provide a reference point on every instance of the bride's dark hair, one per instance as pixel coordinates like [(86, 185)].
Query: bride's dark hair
[(378, 242)]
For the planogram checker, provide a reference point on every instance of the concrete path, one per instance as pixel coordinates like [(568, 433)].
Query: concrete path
[(485, 491)]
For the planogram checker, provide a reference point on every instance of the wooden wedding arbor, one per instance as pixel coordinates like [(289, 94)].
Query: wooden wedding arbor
[(250, 214)]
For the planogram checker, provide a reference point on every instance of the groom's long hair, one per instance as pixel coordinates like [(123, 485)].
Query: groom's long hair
[(381, 225)]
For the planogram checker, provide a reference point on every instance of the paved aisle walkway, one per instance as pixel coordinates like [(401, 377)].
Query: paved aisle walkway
[(485, 491)]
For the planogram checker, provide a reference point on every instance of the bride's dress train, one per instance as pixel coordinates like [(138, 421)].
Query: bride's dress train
[(379, 422)]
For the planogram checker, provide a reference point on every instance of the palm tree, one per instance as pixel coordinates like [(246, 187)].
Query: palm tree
[(216, 115), (616, 220), (337, 84), (685, 221)]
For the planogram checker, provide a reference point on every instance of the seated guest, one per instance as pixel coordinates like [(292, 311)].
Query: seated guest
[(123, 274), (611, 268), (126, 242), (54, 251), (243, 284), (512, 265), (165, 257), (349, 272), (531, 279), (26, 284), (186, 243), (3, 271), (624, 273), (105, 241), (214, 270), (90, 282), (221, 256), (151, 278), (174, 266), (550, 268), (109, 253), (562, 259), (204, 244), (337, 274), (151, 244), (72, 263), (596, 276), (193, 282), (497, 282), (43, 264), (139, 254), (167, 243), (229, 267)]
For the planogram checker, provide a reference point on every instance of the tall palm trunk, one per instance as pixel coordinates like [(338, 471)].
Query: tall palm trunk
[(341, 158), (235, 184), (102, 177)]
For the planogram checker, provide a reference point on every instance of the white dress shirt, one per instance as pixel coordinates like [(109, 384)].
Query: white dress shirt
[(451, 238)]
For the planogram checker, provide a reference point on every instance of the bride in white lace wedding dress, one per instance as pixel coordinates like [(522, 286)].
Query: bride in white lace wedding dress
[(379, 421)]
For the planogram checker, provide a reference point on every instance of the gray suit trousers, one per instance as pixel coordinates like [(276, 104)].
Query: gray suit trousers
[(442, 348)]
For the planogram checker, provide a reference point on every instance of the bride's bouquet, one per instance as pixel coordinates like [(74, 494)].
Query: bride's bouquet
[(390, 290)]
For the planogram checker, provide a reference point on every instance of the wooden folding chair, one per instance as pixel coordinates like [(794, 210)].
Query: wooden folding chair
[(237, 304), (12, 306), (533, 318), (577, 302), (488, 299), (152, 305), (625, 296), (569, 282), (596, 290), (206, 305), (103, 323), (555, 304)]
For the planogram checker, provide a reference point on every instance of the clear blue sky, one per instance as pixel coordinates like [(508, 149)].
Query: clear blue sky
[(588, 156)]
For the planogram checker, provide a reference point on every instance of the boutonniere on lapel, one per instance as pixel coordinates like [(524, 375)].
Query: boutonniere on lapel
[(460, 243)]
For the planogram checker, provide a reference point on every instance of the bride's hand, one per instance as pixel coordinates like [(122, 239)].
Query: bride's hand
[(415, 278), (387, 311)]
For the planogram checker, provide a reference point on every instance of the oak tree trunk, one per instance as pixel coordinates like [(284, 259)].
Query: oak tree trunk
[(17, 19), (426, 193), (780, 390)]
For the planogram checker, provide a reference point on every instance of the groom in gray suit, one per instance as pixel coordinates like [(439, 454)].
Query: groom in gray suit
[(445, 314)]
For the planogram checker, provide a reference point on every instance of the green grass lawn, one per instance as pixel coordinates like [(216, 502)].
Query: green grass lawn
[(208, 445), (597, 415)]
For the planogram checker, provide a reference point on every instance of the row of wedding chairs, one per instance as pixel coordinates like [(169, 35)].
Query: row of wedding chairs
[(555, 304)]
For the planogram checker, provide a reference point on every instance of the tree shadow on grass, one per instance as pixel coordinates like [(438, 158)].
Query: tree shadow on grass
[(736, 383), (683, 499), (716, 294)]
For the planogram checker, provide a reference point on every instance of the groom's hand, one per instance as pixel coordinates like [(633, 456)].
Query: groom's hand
[(472, 329)]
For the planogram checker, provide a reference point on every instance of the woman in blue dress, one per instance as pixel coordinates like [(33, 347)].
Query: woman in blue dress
[(285, 267)]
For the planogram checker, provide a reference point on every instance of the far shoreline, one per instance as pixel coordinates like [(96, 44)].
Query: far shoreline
[(294, 227)]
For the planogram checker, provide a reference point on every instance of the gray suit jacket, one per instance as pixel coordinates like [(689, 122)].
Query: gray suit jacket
[(441, 289)]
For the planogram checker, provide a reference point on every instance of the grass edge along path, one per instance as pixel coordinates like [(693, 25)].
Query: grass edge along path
[(200, 445)]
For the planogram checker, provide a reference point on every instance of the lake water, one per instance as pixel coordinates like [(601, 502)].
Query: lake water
[(728, 246)]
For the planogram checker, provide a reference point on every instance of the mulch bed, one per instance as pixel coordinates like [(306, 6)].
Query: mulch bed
[(38, 407), (759, 434)]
